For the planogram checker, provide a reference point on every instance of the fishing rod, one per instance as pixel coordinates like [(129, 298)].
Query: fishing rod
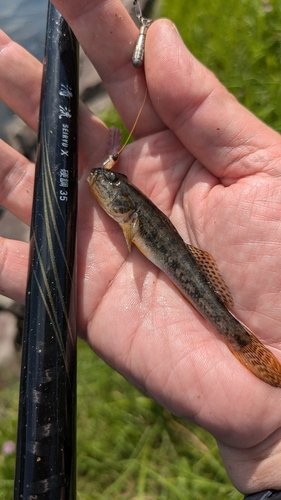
[(46, 440)]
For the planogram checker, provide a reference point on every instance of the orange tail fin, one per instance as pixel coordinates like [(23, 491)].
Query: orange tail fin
[(260, 361)]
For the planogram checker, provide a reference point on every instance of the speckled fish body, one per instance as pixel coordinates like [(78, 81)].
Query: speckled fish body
[(192, 270)]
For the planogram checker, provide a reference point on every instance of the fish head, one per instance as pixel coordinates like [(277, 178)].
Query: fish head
[(110, 190)]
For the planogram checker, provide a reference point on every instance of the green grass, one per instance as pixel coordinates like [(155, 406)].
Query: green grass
[(128, 446), (240, 41)]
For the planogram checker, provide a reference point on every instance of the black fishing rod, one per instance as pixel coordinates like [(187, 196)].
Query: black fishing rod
[(46, 453)]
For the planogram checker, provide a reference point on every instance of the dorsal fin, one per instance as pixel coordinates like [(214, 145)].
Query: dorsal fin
[(210, 268)]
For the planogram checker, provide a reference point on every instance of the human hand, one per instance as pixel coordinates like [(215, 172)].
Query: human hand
[(214, 169)]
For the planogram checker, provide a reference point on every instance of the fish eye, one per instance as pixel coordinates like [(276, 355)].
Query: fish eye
[(111, 176)]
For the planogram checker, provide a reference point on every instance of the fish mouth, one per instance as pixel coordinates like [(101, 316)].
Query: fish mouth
[(92, 179), (96, 181), (95, 184), (101, 187)]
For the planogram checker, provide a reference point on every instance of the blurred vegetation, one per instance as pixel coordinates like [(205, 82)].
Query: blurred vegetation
[(128, 447), (240, 41)]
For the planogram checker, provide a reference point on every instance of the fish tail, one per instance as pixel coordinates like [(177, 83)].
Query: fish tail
[(259, 360)]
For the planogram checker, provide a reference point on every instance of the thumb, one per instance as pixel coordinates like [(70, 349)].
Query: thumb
[(224, 136)]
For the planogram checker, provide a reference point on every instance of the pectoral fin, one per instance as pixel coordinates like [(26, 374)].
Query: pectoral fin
[(130, 229), (211, 270)]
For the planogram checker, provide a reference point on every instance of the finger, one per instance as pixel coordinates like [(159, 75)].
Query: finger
[(13, 268), (20, 89), (223, 135), (20, 80), (108, 35), (16, 182)]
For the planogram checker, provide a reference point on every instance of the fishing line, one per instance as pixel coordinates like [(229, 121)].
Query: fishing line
[(135, 124)]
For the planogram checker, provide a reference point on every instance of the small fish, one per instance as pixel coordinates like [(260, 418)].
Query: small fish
[(193, 271)]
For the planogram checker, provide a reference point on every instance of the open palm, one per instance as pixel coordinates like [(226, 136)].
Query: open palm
[(214, 169)]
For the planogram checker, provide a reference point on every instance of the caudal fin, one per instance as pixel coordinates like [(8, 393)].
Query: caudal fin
[(260, 361)]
